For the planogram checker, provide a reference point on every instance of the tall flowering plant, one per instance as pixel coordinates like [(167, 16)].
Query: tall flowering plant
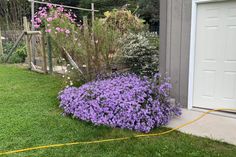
[(124, 101), (92, 48), (61, 25), (54, 19), (64, 29)]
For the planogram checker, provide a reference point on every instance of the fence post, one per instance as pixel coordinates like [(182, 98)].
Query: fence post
[(7, 15), (85, 22), (1, 47), (43, 52), (93, 13), (93, 19), (33, 41), (27, 40), (89, 55), (49, 53), (32, 14)]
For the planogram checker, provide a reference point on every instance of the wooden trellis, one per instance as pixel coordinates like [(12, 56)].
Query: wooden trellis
[(28, 37)]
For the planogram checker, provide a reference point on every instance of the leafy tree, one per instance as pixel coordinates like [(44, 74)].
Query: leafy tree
[(12, 12), (149, 11), (108, 5), (66, 2)]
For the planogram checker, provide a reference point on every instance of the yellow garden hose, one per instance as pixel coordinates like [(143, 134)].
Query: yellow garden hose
[(115, 139)]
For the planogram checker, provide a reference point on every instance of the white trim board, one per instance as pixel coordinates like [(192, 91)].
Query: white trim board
[(192, 47)]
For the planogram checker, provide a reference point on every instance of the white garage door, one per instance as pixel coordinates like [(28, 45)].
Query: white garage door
[(215, 56)]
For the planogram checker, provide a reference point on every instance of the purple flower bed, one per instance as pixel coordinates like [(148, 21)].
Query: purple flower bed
[(126, 101)]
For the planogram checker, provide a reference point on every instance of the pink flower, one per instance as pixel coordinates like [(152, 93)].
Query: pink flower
[(62, 30), (58, 29), (48, 30), (49, 19), (38, 20), (44, 15), (67, 31), (55, 16), (71, 19), (67, 15), (60, 9), (49, 5), (36, 26)]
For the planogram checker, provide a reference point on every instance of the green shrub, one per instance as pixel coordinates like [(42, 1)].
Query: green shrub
[(18, 55), (2, 58), (104, 48), (153, 38), (97, 49), (139, 53), (7, 47)]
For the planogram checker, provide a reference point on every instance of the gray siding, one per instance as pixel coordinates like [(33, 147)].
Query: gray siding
[(175, 27)]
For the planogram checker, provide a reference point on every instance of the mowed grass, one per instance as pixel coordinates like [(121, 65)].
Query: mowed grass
[(29, 117)]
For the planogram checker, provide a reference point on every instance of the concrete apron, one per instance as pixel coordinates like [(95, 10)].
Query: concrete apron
[(218, 126)]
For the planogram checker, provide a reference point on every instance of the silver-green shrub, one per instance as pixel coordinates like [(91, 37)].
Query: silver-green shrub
[(139, 53)]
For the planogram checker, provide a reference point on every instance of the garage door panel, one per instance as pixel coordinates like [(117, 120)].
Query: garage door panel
[(209, 81), (231, 23), (215, 56), (229, 85), (229, 66), (208, 33), (207, 65), (212, 23), (231, 11), (212, 12), (209, 44), (230, 48)]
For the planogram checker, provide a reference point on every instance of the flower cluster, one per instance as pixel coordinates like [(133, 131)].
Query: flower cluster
[(124, 101), (68, 75), (54, 19)]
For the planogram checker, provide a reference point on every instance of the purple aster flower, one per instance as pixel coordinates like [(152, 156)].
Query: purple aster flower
[(124, 101)]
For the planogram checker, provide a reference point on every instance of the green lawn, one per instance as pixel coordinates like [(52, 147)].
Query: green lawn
[(29, 116)]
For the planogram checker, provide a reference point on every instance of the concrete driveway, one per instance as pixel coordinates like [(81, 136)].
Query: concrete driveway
[(218, 126)]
